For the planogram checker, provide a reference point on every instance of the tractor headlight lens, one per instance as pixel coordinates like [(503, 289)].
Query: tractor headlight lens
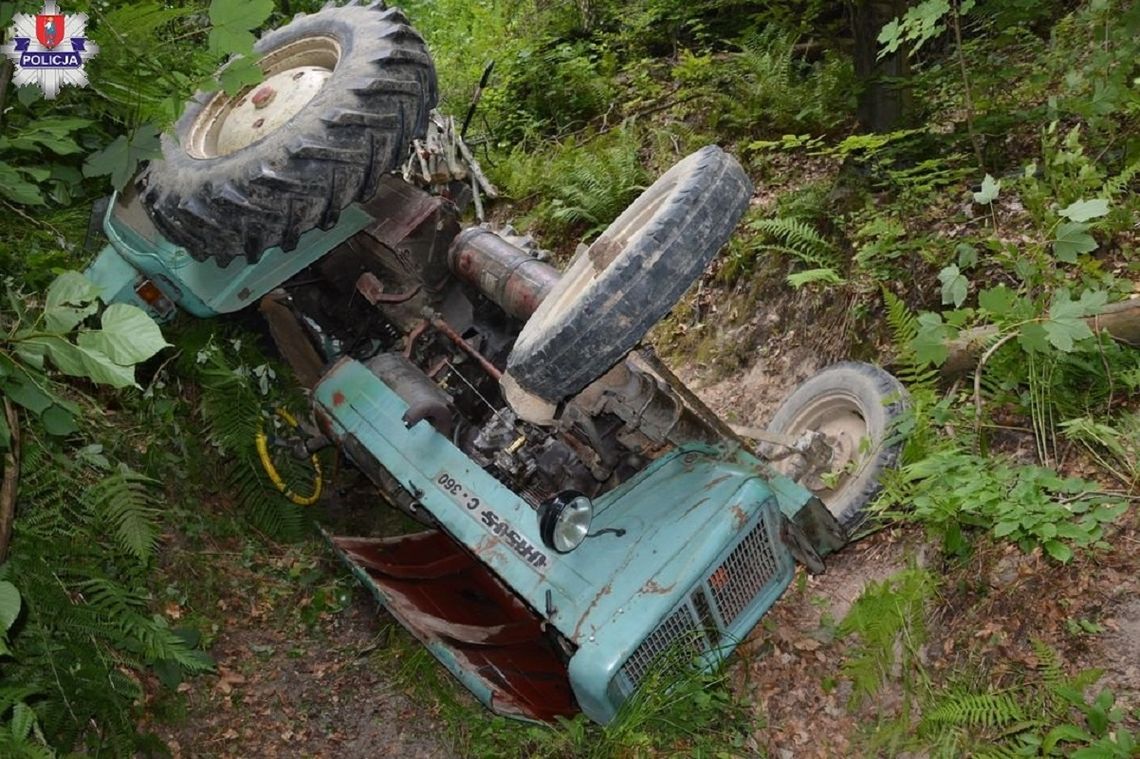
[(564, 520)]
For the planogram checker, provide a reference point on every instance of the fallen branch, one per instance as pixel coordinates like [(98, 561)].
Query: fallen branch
[(11, 480), (1121, 321)]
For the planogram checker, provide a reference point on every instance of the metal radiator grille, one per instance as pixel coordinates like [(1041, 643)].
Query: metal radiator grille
[(679, 629), (750, 567), (731, 588)]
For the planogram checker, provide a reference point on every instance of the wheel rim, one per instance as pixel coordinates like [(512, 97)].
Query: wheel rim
[(294, 74), (839, 418)]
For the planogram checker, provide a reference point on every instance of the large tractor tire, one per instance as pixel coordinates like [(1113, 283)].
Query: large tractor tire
[(613, 292), (345, 91)]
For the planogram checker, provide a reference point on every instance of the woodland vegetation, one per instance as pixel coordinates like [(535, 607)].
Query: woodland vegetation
[(924, 170)]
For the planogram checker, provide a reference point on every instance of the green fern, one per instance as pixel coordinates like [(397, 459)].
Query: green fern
[(904, 329), (1121, 182), (887, 616), (1049, 667), (798, 239), (123, 499), (233, 412), (973, 710), (124, 619), (596, 183)]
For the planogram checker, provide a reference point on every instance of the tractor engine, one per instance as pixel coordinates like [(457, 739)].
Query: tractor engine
[(435, 312)]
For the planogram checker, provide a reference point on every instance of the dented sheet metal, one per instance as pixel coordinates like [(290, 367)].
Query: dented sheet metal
[(480, 631)]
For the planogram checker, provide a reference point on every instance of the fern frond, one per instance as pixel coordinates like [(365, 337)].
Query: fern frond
[(974, 710), (232, 412), (123, 499), (130, 626), (49, 493), (799, 239), (904, 329), (1121, 182), (1049, 666)]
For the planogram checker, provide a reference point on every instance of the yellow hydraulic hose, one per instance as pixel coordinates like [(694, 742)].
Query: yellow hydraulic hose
[(262, 442)]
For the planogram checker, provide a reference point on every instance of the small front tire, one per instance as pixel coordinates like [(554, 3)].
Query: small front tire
[(855, 406)]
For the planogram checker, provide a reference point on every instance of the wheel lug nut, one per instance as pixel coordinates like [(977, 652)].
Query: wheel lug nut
[(264, 96)]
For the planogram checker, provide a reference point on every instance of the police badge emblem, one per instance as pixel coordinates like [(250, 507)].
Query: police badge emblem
[(49, 49)]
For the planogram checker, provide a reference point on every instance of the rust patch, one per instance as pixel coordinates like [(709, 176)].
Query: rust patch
[(655, 588), (739, 516), (716, 481), (601, 594), (338, 398)]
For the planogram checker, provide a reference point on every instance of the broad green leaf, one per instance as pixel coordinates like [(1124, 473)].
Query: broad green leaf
[(929, 345), (9, 605), (30, 354), (1108, 513), (80, 361), (890, 37), (998, 301), (967, 255), (1063, 333), (1058, 550), (128, 336), (989, 191), (954, 286), (1072, 240), (240, 74), (1005, 528), (1084, 210), (1090, 303), (22, 392), (231, 22), (14, 188), (64, 319), (5, 432), (1033, 337), (57, 421), (121, 158), (71, 289)]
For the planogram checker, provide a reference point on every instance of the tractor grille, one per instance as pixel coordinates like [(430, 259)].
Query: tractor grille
[(747, 569), (677, 633), (702, 621)]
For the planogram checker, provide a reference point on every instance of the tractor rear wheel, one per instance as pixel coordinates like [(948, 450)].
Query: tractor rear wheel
[(345, 91)]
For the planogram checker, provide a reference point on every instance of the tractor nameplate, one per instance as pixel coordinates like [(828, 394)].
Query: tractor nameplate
[(494, 524)]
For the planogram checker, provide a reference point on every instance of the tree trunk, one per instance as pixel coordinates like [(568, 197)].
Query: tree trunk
[(884, 88)]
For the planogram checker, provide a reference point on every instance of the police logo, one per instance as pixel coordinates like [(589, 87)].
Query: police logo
[(49, 49)]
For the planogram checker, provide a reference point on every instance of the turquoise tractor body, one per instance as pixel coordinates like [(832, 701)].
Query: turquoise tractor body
[(137, 253), (684, 557)]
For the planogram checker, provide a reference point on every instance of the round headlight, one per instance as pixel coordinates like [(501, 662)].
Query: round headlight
[(564, 520)]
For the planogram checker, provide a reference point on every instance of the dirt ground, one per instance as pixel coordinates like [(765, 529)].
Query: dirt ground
[(302, 671)]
